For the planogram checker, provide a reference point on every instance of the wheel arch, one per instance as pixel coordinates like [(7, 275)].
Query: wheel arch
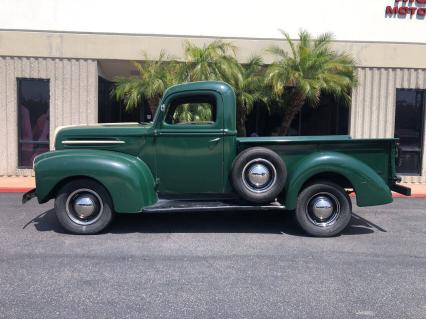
[(336, 178), (127, 179), (61, 183), (343, 170)]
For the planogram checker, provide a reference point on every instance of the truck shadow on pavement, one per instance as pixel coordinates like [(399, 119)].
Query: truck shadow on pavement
[(228, 222)]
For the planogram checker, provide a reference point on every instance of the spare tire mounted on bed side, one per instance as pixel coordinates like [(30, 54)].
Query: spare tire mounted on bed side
[(258, 175)]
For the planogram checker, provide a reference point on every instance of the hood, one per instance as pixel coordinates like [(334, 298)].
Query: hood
[(120, 137)]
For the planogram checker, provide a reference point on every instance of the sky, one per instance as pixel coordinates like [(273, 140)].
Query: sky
[(346, 19)]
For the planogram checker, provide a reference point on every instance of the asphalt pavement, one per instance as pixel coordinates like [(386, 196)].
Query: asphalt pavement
[(213, 265)]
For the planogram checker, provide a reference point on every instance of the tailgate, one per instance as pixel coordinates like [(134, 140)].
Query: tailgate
[(397, 179)]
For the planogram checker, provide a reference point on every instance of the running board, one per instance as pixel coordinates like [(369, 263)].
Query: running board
[(166, 206)]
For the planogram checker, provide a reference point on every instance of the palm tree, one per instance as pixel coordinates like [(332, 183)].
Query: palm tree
[(249, 88), (311, 67), (154, 77), (217, 61), (213, 61)]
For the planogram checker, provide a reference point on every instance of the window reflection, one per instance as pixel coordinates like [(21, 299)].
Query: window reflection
[(199, 110), (33, 106)]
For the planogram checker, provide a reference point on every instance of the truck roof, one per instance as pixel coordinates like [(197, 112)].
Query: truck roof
[(218, 86)]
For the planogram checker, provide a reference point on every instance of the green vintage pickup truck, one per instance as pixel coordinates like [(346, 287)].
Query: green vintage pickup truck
[(190, 159)]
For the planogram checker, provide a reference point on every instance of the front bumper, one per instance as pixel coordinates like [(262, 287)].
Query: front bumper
[(401, 189), (28, 195)]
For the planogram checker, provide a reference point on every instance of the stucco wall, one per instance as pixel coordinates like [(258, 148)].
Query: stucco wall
[(132, 47), (73, 99), (374, 102)]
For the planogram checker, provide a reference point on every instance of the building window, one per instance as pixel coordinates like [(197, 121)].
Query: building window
[(329, 117), (409, 128), (33, 119), (110, 110)]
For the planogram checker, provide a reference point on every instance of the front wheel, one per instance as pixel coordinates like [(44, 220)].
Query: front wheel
[(83, 206), (324, 209)]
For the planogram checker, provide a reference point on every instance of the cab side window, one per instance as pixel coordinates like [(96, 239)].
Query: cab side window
[(193, 110)]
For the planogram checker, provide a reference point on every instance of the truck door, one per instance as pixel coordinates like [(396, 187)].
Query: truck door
[(189, 143)]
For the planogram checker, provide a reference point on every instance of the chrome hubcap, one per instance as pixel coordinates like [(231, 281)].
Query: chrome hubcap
[(259, 175), (323, 209), (84, 206)]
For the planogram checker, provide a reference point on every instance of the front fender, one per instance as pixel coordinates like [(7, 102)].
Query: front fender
[(127, 178), (370, 188)]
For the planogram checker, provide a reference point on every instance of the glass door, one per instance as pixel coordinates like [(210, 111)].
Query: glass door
[(409, 128)]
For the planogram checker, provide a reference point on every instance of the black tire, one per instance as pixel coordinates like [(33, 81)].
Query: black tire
[(243, 171), (316, 202), (96, 197)]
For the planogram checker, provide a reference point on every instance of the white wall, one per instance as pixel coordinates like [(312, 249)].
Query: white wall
[(347, 19)]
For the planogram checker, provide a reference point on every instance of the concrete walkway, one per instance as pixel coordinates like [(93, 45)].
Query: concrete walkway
[(24, 184), (16, 184)]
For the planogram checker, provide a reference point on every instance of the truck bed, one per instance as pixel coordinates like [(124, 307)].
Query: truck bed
[(379, 154)]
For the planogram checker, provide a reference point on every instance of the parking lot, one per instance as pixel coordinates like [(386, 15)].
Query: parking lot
[(221, 265)]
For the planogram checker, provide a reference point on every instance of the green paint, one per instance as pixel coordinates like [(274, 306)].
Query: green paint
[(127, 178), (198, 158)]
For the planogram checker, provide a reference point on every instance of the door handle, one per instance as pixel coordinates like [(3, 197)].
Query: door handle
[(217, 139)]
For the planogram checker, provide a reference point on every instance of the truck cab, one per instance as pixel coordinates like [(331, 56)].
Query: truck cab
[(195, 138)]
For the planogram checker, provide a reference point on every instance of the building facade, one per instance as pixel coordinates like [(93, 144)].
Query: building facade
[(55, 72)]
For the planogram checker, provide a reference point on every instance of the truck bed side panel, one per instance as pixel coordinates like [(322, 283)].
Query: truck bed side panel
[(367, 164)]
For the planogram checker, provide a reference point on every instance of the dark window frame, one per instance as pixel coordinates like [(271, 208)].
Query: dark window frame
[(19, 120), (422, 129)]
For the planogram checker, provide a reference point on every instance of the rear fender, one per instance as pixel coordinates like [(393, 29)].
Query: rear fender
[(127, 178), (370, 188)]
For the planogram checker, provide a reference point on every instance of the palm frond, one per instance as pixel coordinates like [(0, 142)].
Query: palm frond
[(290, 42), (154, 76)]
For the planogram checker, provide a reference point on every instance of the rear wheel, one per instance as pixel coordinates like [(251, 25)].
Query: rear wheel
[(324, 209), (83, 206)]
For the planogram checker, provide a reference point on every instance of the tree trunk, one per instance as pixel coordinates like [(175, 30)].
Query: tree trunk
[(241, 121), (295, 106), (241, 126), (153, 104)]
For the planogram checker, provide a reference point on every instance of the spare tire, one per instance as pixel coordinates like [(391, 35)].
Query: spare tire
[(258, 175)]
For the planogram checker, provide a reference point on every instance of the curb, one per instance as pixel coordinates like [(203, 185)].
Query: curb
[(396, 195), (15, 189), (412, 196)]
